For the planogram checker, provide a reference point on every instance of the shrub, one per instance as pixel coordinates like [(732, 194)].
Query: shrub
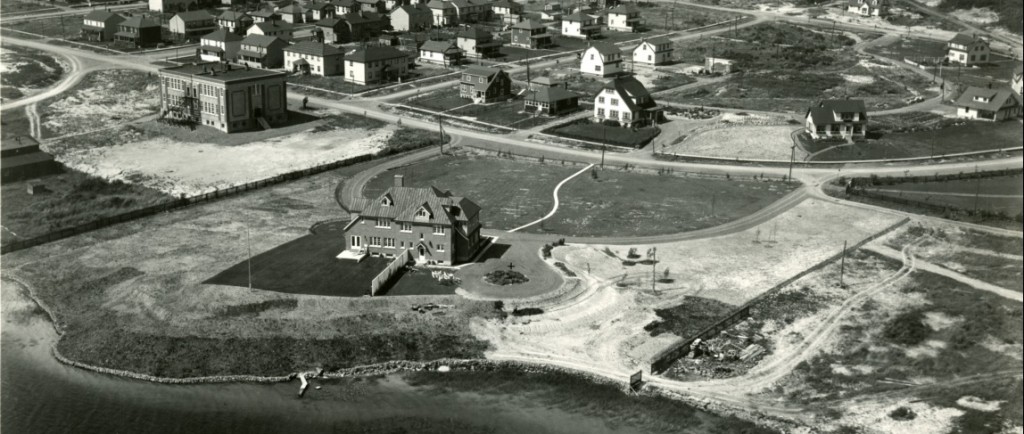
[(907, 329), (505, 277), (902, 413), (565, 269), (527, 311)]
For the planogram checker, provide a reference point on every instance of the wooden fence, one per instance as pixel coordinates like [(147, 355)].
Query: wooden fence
[(664, 359), (14, 246), (388, 273)]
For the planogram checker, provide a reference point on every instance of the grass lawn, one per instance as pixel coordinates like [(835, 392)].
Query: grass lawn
[(74, 199), (306, 266), (524, 256), (16, 6), (14, 123), (600, 133), (132, 296), (417, 281), (515, 193), (441, 100), (504, 113), (949, 139), (960, 194), (655, 204)]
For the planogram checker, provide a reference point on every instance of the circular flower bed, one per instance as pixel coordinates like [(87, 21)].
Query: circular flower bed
[(505, 277)]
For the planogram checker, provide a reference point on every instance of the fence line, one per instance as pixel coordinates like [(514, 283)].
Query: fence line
[(685, 157), (664, 359), (177, 204), (385, 276)]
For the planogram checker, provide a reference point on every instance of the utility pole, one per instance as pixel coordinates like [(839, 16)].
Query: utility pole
[(654, 269), (248, 242), (792, 158), (440, 131), (842, 265), (977, 188)]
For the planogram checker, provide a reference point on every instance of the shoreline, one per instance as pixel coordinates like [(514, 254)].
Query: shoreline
[(404, 366)]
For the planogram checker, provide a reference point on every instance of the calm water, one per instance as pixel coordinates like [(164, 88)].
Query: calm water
[(40, 395)]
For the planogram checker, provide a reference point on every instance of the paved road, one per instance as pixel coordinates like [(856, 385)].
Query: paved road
[(72, 77)]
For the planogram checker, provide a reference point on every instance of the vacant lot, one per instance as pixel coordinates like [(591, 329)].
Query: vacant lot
[(132, 296), (73, 198), (997, 195), (515, 193), (22, 6), (103, 99), (665, 16), (763, 143), (987, 257), (180, 161), (508, 113), (25, 71), (951, 137), (616, 203)]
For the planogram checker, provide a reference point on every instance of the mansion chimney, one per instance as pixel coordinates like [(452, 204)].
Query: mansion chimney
[(399, 181)]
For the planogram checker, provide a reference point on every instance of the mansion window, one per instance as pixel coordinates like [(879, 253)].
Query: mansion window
[(383, 223), (440, 247), (406, 227), (422, 213), (438, 230)]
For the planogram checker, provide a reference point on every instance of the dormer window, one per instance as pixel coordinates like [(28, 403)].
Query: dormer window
[(422, 213), (980, 99), (387, 201)]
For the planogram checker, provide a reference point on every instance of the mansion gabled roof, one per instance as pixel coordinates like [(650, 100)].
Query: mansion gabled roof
[(405, 202)]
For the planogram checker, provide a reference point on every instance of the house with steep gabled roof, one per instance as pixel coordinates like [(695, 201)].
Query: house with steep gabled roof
[(219, 46), (139, 31), (654, 51), (262, 51), (471, 11), (968, 50), (411, 18), (317, 11), (837, 118), (314, 58), (444, 13), (485, 85), (374, 6), (100, 25), (625, 18), (987, 104), (531, 34), (580, 25), (235, 22), (264, 16), (292, 14), (868, 8), (625, 100), (440, 52), (437, 227), (601, 59), (477, 42), (190, 26), (278, 29), (376, 64)]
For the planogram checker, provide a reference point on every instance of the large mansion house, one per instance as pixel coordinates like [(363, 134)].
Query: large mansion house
[(436, 226)]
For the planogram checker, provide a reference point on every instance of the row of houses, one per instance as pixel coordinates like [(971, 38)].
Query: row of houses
[(606, 60)]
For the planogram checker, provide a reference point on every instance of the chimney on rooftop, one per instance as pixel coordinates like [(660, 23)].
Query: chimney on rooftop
[(399, 181)]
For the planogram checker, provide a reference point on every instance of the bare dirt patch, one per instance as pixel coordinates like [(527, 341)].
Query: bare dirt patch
[(103, 99)]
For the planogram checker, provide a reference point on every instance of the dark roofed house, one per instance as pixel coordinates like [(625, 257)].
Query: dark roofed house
[(139, 31), (314, 58), (100, 25), (625, 18), (437, 227), (410, 18), (235, 22), (262, 51), (485, 85), (625, 100), (219, 46), (320, 10), (545, 97), (477, 42), (837, 118), (264, 16), (293, 14), (968, 50), (530, 34), (987, 104), (190, 26)]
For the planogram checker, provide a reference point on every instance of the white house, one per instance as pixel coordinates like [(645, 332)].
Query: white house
[(654, 51), (968, 50), (579, 25), (407, 18), (837, 118), (979, 103), (602, 60), (278, 29), (625, 100), (375, 64), (868, 8), (169, 5), (440, 52), (314, 58), (624, 18), (220, 45)]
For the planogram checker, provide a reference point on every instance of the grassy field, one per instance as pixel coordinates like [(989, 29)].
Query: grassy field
[(516, 192), (754, 142), (950, 138), (119, 95), (938, 329), (132, 296), (25, 70), (1006, 193), (14, 123), (504, 113), (605, 134), (16, 6), (74, 198), (673, 17), (1009, 14), (598, 203), (641, 413), (987, 257)]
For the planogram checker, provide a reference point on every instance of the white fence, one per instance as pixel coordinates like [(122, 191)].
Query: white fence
[(385, 276)]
